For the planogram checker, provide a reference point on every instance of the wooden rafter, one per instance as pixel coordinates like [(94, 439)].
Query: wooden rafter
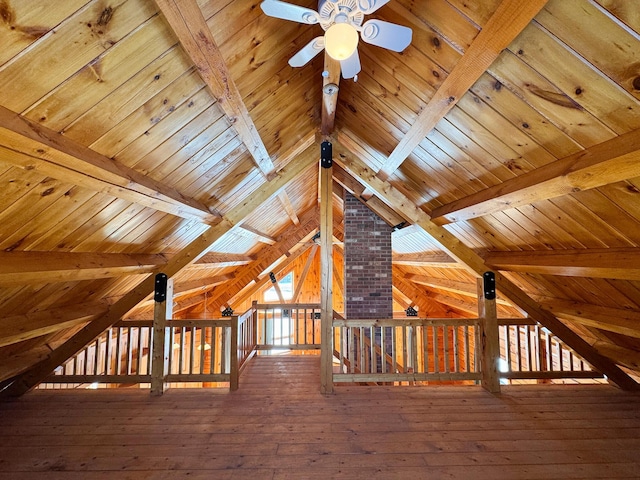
[(304, 273), (192, 252), (218, 259), (433, 259), (428, 305), (618, 320), (190, 27), (268, 256), (618, 263), (444, 284), (18, 268), (31, 146), (608, 162), (476, 265), (18, 328), (509, 19), (257, 235)]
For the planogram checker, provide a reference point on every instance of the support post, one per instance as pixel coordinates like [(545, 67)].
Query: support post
[(489, 335), (163, 310), (326, 268), (233, 368)]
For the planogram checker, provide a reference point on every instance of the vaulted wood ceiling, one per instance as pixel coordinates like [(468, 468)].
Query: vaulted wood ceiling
[(139, 136)]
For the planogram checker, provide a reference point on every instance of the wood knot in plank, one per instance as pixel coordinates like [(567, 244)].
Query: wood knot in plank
[(105, 17)]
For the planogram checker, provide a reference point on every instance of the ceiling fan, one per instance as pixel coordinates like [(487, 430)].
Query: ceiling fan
[(341, 20)]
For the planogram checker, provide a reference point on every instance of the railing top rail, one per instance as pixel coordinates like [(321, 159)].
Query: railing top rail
[(399, 322), (299, 306), (516, 321), (204, 322), (134, 323)]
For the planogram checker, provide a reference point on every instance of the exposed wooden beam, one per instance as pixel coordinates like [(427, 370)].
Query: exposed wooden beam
[(248, 290), (218, 260), (509, 19), (32, 146), (305, 272), (18, 328), (259, 236), (268, 255), (20, 268), (621, 355), (427, 259), (618, 263), (330, 87), (193, 33), (427, 305), (288, 207), (476, 265), (459, 288), (189, 254), (374, 203), (618, 320), (202, 283), (608, 162)]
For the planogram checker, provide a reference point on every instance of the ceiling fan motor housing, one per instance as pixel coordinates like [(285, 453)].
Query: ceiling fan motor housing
[(349, 9)]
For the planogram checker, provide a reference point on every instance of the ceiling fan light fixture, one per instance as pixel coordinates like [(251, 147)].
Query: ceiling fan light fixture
[(340, 41)]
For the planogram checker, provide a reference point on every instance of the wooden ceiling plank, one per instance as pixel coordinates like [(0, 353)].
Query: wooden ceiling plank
[(20, 268), (428, 306), (616, 263), (18, 328), (192, 252), (191, 29), (476, 265), (509, 19), (608, 162), (54, 154)]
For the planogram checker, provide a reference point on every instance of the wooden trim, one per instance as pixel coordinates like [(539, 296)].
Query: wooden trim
[(124, 379), (509, 19), (548, 375), (305, 272), (608, 162), (477, 266), (191, 29)]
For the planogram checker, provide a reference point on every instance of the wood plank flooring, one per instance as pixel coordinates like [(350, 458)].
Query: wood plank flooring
[(278, 426)]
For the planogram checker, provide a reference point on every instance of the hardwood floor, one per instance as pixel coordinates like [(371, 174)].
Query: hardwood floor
[(278, 426)]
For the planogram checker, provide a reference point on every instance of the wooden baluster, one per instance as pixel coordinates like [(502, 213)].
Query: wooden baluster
[(163, 310)]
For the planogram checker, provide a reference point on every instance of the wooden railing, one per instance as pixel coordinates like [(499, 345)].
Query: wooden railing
[(200, 351), (287, 326), (118, 355), (529, 351), (405, 350)]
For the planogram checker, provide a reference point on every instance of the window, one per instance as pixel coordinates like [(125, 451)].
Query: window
[(286, 287)]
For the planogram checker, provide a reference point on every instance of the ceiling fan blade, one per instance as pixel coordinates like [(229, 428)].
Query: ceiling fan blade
[(288, 11), (307, 52), (386, 35), (370, 6), (351, 66)]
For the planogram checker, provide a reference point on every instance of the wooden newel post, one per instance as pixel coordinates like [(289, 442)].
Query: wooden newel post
[(163, 309), (326, 268), (489, 336), (233, 367)]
